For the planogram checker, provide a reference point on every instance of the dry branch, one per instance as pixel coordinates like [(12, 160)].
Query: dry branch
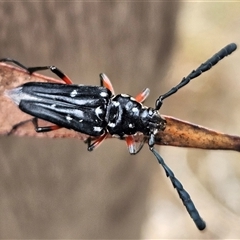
[(177, 133)]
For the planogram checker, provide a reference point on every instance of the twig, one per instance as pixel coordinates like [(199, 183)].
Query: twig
[(177, 133)]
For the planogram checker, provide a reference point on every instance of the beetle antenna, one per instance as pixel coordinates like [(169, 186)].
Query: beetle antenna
[(195, 73), (186, 199)]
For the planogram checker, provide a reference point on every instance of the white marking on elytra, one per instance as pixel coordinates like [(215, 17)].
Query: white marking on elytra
[(53, 105), (133, 99), (98, 111), (68, 118), (97, 129), (73, 93), (130, 125), (80, 120), (103, 94)]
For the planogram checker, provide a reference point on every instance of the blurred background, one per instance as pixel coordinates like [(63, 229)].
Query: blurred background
[(56, 189)]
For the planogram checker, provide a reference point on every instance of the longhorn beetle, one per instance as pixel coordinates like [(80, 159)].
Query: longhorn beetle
[(97, 111)]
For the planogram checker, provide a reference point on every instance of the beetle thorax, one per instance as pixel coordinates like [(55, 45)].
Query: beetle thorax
[(126, 116)]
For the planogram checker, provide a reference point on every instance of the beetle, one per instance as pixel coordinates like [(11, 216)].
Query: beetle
[(97, 111)]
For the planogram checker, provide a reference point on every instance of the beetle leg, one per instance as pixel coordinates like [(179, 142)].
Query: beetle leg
[(96, 143), (15, 62), (133, 146), (105, 82), (44, 129), (55, 70), (31, 70), (35, 123), (16, 126), (141, 97)]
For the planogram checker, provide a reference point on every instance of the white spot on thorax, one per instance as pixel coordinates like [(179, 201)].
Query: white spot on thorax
[(116, 104), (111, 124), (124, 95), (130, 125), (135, 110), (133, 99)]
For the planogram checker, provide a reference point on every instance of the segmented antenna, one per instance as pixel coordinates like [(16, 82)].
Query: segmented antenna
[(195, 73), (183, 194)]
